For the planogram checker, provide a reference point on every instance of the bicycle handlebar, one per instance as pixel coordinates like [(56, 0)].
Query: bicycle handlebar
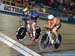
[(48, 28)]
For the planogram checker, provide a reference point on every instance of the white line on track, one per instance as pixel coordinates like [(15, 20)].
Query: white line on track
[(17, 46)]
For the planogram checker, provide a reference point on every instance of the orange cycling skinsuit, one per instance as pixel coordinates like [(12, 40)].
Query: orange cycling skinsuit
[(54, 23)]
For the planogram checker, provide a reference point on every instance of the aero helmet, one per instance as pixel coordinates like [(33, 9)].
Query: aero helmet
[(50, 16), (25, 9)]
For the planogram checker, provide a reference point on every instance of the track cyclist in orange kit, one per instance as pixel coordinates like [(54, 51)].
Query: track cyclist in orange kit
[(54, 24)]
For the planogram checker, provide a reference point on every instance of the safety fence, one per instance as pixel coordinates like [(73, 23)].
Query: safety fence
[(19, 3), (18, 11)]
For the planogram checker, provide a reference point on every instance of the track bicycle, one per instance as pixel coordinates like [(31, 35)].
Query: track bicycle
[(22, 32), (48, 38)]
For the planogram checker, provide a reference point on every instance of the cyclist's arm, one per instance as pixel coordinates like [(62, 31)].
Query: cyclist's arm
[(48, 25), (54, 23)]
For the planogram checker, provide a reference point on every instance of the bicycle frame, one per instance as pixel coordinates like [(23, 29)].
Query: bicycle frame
[(49, 35)]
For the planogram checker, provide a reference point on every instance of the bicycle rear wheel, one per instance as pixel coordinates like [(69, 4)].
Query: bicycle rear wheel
[(38, 31), (58, 45)]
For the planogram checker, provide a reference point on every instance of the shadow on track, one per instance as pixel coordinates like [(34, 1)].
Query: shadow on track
[(56, 51)]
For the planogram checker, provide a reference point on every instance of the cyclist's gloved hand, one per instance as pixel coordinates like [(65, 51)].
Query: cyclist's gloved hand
[(45, 26)]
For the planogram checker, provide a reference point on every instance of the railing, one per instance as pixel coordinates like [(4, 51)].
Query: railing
[(9, 9), (13, 3), (18, 10)]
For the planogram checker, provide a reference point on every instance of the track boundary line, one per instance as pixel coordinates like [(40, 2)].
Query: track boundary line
[(17, 46)]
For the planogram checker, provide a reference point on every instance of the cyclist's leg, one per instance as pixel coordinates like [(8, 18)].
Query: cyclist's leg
[(34, 29), (56, 40), (34, 23), (55, 31), (27, 24)]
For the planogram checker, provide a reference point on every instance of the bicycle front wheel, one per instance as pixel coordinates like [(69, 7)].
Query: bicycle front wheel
[(44, 41), (21, 32)]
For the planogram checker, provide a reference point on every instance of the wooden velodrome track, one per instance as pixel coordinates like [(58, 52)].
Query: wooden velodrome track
[(9, 24)]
